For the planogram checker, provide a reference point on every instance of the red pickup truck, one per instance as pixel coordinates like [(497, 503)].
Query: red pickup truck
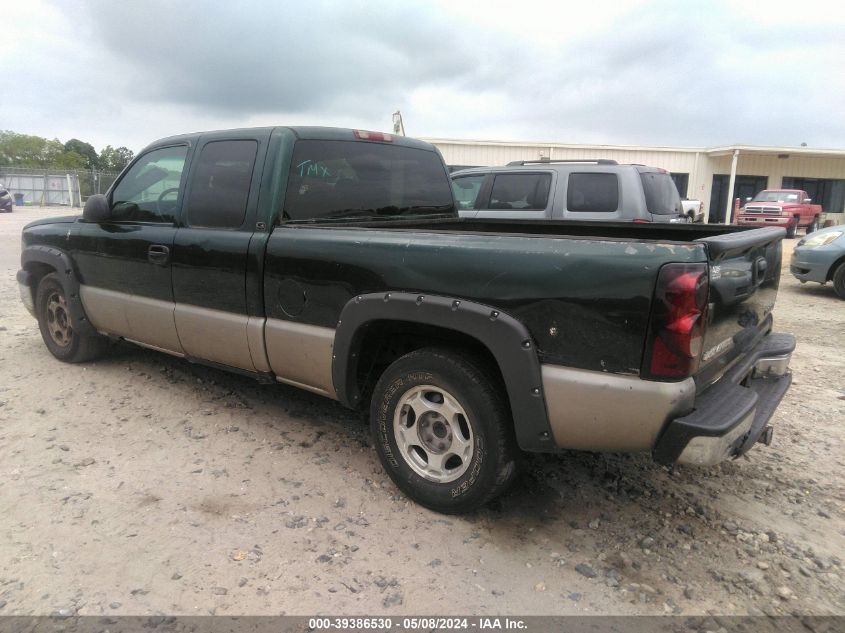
[(789, 208)]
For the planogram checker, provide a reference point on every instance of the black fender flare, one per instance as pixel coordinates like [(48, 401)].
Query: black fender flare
[(62, 263), (506, 338)]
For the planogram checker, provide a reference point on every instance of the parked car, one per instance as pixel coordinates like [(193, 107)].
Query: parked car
[(693, 209), (334, 260), (789, 208), (601, 190), (820, 257), (7, 204)]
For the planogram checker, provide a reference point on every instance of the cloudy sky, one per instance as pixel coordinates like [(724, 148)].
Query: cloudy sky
[(654, 73)]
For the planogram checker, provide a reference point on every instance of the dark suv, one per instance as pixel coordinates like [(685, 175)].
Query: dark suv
[(568, 190)]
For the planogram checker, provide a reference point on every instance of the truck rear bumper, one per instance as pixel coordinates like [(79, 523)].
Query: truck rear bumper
[(732, 415)]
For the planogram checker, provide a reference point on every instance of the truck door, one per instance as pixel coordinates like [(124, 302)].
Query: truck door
[(211, 263), (124, 262)]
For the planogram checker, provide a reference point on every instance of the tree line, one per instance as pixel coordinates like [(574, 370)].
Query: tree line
[(24, 150)]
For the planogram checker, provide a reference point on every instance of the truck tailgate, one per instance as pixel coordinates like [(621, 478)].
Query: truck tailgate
[(744, 277)]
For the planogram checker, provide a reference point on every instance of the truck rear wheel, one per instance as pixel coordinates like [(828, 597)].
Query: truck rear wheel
[(56, 326), (442, 430), (814, 225)]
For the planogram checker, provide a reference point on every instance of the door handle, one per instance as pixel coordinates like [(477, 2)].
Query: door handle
[(158, 254)]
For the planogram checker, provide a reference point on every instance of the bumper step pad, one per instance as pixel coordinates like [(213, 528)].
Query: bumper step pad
[(722, 408)]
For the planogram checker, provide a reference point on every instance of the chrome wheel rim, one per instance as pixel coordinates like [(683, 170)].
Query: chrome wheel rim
[(433, 433), (58, 320)]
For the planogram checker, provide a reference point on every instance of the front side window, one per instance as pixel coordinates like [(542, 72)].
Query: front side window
[(345, 179), (520, 191), (593, 193), (466, 190), (149, 192), (220, 186)]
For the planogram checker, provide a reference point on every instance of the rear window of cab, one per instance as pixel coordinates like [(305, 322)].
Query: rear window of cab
[(346, 179)]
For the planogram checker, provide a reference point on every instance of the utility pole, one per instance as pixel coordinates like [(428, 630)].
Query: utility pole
[(398, 125)]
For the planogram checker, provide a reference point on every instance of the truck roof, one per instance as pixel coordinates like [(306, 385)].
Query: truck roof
[(305, 132)]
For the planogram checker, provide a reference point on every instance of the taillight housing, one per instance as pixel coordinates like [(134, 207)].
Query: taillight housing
[(676, 326)]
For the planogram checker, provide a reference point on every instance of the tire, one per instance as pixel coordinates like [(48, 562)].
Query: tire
[(793, 227), (54, 322), (814, 226), (839, 280), (443, 430)]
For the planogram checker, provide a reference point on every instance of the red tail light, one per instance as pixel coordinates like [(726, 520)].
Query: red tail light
[(641, 221), (678, 316)]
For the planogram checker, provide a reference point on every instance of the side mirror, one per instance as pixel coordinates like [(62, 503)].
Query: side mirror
[(807, 200), (96, 209), (748, 199)]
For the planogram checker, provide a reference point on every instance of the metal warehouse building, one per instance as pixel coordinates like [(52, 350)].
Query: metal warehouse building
[(702, 173)]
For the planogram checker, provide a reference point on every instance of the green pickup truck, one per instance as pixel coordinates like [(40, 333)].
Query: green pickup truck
[(334, 260)]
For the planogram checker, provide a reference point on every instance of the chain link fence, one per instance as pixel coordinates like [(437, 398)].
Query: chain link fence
[(54, 187)]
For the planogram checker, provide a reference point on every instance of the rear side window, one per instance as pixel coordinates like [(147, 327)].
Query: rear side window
[(466, 190), (661, 194), (520, 191), (593, 193), (342, 179), (220, 188)]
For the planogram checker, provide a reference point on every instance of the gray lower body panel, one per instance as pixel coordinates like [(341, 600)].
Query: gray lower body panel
[(214, 335), (597, 411), (298, 354), (139, 319), (301, 355)]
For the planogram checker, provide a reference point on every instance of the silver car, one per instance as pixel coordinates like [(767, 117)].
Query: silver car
[(594, 190), (820, 257)]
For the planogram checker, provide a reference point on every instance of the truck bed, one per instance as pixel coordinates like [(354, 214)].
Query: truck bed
[(585, 295)]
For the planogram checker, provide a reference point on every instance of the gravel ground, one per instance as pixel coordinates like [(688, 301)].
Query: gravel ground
[(142, 484)]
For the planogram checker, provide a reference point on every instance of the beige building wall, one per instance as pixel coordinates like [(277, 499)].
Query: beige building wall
[(777, 168), (484, 153)]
